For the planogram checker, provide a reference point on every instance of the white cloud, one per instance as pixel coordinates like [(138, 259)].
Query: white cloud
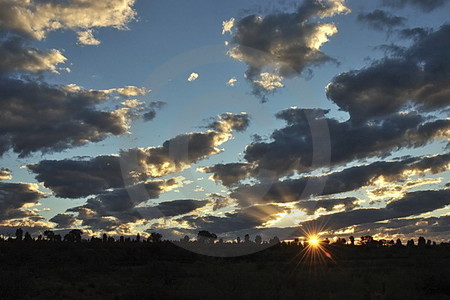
[(37, 18), (192, 77), (232, 81), (269, 82), (87, 38), (227, 25)]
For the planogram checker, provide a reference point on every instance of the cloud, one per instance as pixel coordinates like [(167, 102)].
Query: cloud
[(245, 218), (311, 207), (150, 110), (285, 43), (350, 179), (16, 55), (432, 227), (227, 25), (418, 76), (424, 5), (381, 20), (269, 82), (129, 91), (78, 178), (83, 177), (232, 81), (230, 173), (15, 197), (192, 77), (37, 18), (5, 174), (37, 117), (309, 133), (87, 38), (411, 204), (123, 207), (64, 220)]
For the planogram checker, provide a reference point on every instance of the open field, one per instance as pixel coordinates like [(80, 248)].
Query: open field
[(165, 271)]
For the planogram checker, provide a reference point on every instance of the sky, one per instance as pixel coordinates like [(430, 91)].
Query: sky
[(236, 117)]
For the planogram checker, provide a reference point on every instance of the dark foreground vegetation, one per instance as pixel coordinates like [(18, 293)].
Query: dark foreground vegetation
[(155, 269)]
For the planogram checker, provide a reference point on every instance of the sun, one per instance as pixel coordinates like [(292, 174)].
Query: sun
[(313, 241)]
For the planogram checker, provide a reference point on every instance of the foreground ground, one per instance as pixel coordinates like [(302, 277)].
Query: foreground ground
[(165, 271)]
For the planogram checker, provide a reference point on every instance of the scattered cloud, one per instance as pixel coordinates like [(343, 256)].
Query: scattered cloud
[(64, 221), (411, 204), (417, 75), (36, 19), (83, 177), (232, 81), (284, 43), (311, 207), (87, 38), (192, 77), (381, 20), (5, 174), (227, 25), (16, 56), (56, 118), (14, 199), (424, 5)]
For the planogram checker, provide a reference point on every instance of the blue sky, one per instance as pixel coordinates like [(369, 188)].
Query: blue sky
[(157, 45)]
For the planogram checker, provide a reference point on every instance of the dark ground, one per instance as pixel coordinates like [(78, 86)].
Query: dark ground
[(165, 271)]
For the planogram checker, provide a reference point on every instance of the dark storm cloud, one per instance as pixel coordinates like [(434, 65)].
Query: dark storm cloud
[(292, 147), (242, 219), (418, 75), (381, 20), (289, 41), (424, 5), (310, 207), (64, 220), (411, 204), (38, 117), (292, 190), (79, 178), (14, 196)]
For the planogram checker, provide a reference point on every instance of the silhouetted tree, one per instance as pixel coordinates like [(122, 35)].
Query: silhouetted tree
[(58, 238), (421, 242), (122, 239), (352, 240), (49, 235), (27, 237), (186, 239), (398, 243), (238, 240), (138, 238), (258, 239), (247, 238), (275, 240), (155, 237), (19, 234), (204, 236), (429, 243), (74, 236), (104, 238), (410, 243)]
